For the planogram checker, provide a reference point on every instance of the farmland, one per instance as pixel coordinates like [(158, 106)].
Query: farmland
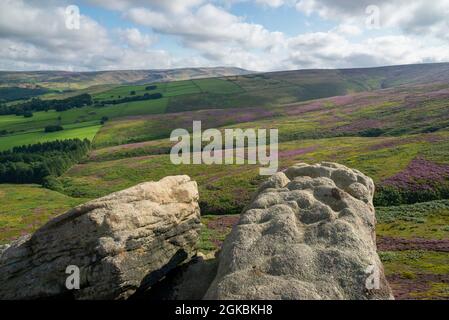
[(82, 116), (392, 124), (88, 131)]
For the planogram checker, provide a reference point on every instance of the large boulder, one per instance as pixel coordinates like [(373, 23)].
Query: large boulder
[(309, 233), (121, 243)]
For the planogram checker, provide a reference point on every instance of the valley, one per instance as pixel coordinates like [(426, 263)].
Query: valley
[(391, 123)]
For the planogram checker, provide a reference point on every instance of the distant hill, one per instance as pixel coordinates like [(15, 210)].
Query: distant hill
[(79, 80), (337, 81), (285, 87), (366, 79)]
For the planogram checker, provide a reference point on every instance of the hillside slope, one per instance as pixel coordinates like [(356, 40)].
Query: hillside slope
[(391, 123), (79, 80)]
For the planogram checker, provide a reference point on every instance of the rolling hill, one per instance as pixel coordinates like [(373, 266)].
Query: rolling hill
[(79, 80), (392, 123)]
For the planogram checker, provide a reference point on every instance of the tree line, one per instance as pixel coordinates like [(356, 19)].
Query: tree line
[(37, 104), (41, 162), (146, 96)]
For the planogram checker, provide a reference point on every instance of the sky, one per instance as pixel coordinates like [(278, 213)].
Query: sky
[(257, 35)]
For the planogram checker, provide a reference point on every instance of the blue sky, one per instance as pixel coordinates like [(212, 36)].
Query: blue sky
[(260, 35), (283, 18)]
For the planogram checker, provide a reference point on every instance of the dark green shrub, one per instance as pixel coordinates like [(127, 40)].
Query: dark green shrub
[(387, 196), (53, 128), (50, 182), (372, 132)]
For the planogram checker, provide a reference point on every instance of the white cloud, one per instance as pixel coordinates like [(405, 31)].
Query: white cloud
[(224, 38), (330, 50), (33, 36), (207, 23), (135, 39), (176, 6), (219, 36), (271, 3), (414, 17), (348, 30)]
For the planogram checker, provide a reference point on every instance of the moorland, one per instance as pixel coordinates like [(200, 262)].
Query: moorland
[(392, 123)]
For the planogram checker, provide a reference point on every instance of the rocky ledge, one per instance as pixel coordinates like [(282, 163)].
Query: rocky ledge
[(121, 243), (309, 233)]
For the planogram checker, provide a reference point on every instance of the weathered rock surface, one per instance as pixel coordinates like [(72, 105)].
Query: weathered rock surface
[(121, 243), (309, 233)]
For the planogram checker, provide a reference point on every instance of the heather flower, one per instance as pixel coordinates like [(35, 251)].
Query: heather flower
[(420, 175), (296, 152)]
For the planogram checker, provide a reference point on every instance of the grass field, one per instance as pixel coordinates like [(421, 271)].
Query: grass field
[(79, 132), (167, 89), (27, 207), (428, 220), (136, 108), (10, 121), (219, 86), (15, 124), (181, 88), (77, 115)]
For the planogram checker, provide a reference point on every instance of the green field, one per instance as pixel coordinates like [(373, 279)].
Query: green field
[(27, 207), (77, 115), (167, 89), (181, 88), (11, 121), (10, 141), (219, 86), (424, 220)]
